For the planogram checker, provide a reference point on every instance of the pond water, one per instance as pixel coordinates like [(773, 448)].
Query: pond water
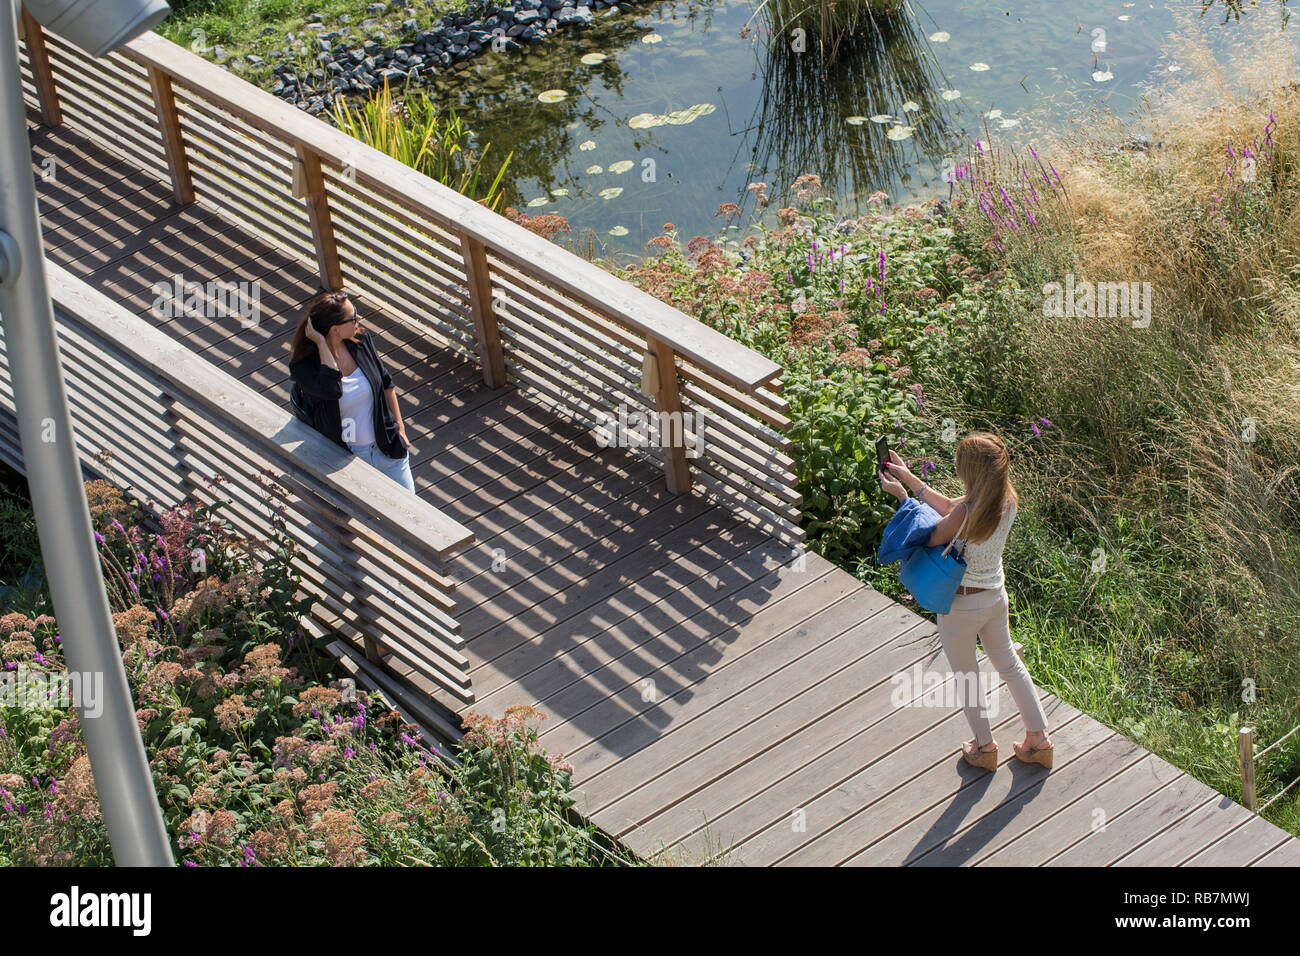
[(687, 106)]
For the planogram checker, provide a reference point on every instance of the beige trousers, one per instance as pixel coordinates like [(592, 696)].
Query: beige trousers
[(985, 614)]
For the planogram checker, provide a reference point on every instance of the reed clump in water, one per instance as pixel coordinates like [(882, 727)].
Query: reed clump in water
[(417, 133)]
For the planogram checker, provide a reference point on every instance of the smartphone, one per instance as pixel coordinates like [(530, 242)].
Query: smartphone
[(882, 454)]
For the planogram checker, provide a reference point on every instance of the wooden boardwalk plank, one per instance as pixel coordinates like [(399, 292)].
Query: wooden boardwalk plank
[(1070, 780), (746, 725), (1288, 854), (1177, 845), (1076, 741), (1166, 807), (1242, 845), (1076, 821)]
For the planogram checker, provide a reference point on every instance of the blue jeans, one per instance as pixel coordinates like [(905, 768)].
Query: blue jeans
[(398, 469)]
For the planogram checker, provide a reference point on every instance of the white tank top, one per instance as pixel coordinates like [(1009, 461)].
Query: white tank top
[(984, 558), (356, 407)]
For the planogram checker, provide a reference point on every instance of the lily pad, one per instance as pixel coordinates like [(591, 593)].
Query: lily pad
[(595, 59), (940, 37), (560, 192), (595, 170), (675, 118), (994, 114), (883, 118), (900, 132), (855, 120), (611, 192), (979, 67), (618, 231), (622, 166), (552, 96), (652, 38), (951, 95), (690, 114), (1009, 122), (1103, 76), (587, 145), (539, 201), (911, 106)]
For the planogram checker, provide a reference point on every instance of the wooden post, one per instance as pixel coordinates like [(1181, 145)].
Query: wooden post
[(169, 125), (38, 58), (661, 364), (479, 280), (309, 185), (1248, 798)]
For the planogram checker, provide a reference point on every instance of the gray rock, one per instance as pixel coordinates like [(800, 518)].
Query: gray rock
[(409, 26), (525, 16), (219, 52), (578, 15), (376, 8)]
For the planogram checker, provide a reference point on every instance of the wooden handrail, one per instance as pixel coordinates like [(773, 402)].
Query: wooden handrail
[(584, 281)]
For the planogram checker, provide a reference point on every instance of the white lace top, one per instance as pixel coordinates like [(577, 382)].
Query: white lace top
[(984, 558)]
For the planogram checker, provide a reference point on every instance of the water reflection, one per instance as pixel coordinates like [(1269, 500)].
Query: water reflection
[(774, 115), (885, 71)]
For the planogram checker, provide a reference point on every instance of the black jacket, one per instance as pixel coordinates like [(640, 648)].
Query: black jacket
[(322, 387)]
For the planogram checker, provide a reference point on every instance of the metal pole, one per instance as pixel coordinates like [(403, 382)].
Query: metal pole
[(117, 758)]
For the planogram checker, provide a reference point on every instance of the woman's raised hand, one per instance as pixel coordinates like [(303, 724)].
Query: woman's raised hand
[(310, 329), (899, 470)]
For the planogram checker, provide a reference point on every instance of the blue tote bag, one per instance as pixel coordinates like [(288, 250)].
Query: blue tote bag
[(932, 575)]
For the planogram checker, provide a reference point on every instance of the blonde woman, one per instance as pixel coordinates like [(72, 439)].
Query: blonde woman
[(980, 520)]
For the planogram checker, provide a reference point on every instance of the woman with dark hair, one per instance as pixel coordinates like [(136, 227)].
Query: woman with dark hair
[(346, 392)]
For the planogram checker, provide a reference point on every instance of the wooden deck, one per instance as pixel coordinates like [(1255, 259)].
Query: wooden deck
[(712, 695)]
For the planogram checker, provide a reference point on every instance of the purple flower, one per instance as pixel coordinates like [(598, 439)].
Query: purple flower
[(1037, 433)]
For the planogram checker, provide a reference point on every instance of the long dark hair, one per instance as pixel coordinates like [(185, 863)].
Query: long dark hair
[(327, 310)]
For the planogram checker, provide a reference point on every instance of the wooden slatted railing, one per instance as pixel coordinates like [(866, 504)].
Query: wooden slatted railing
[(584, 341), (374, 556)]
